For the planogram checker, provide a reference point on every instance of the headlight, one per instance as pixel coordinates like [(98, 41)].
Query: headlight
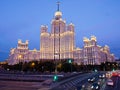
[(103, 75), (92, 87), (83, 86), (98, 82), (97, 87)]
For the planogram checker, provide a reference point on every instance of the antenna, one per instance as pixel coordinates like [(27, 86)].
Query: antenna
[(58, 4)]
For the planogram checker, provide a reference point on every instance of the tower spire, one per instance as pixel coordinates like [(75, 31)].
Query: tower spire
[(58, 4), (58, 14)]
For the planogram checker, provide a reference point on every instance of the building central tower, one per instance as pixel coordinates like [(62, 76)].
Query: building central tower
[(60, 41)]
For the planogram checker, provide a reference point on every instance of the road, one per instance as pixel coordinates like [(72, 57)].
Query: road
[(23, 82), (71, 84)]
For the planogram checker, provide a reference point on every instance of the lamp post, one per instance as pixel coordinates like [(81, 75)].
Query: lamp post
[(32, 65), (70, 62), (20, 62), (19, 56)]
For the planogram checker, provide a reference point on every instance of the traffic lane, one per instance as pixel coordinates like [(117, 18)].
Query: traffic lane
[(117, 87), (82, 82), (72, 83), (85, 82), (109, 88), (87, 85), (118, 83)]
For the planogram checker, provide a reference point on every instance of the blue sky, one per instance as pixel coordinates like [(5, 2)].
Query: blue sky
[(21, 19)]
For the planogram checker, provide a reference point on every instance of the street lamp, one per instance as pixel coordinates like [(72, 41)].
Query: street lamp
[(19, 57), (20, 62), (70, 62), (32, 65), (55, 78), (95, 70), (113, 69)]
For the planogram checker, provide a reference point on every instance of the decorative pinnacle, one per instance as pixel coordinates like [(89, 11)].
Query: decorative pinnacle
[(58, 4)]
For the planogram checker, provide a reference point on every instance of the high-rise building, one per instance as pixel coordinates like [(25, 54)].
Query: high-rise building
[(59, 44)]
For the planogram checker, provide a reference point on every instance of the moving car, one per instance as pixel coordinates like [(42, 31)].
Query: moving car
[(91, 79), (102, 76), (99, 81), (110, 82), (108, 74), (114, 74), (95, 86), (119, 74)]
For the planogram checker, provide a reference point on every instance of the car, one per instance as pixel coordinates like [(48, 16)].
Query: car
[(114, 74), (95, 86), (91, 79), (99, 81), (119, 74), (102, 76), (110, 82), (108, 74), (80, 87)]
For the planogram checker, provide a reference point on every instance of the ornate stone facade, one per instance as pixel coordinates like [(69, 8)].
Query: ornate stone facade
[(95, 54)]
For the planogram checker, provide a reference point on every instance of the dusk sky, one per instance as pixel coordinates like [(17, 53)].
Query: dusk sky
[(21, 19)]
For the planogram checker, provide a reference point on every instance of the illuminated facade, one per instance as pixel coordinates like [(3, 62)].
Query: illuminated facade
[(22, 53), (94, 54), (60, 44)]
